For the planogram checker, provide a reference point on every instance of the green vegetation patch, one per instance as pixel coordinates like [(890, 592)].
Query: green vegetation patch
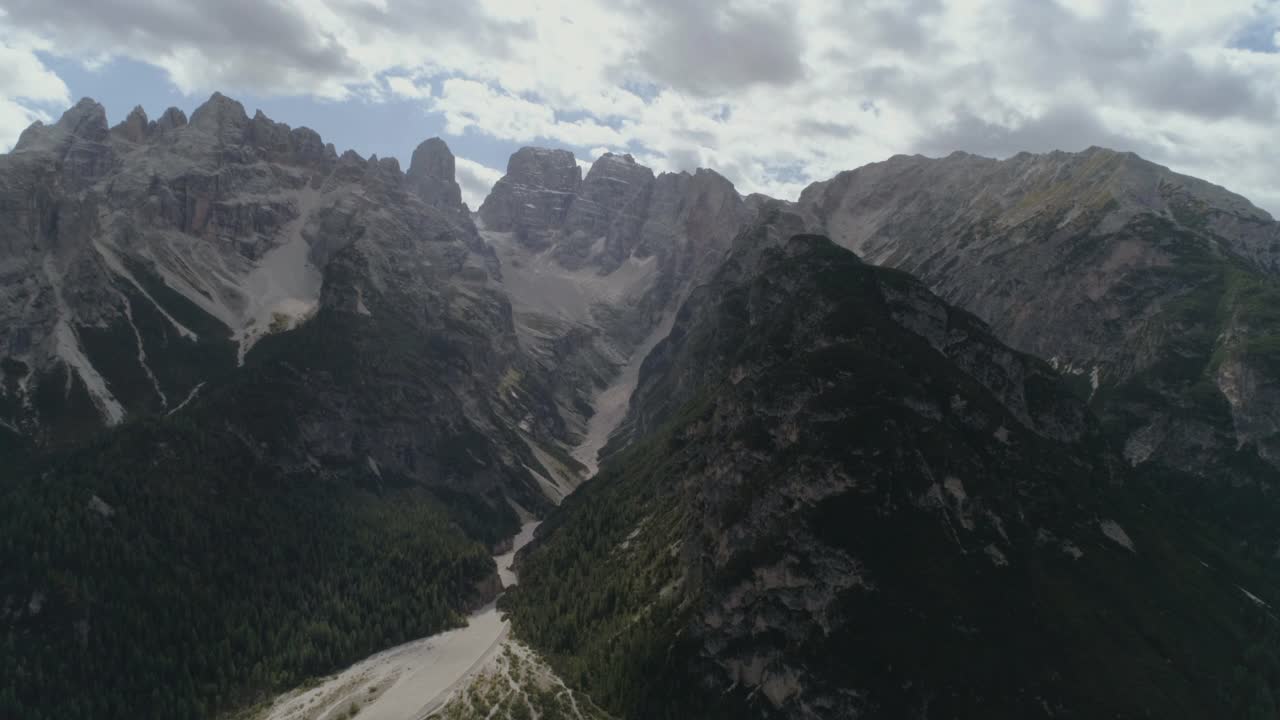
[(167, 572)]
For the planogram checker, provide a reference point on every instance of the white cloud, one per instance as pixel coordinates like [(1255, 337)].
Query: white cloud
[(27, 90), (26, 78), (476, 180), (407, 88), (471, 105), (773, 94)]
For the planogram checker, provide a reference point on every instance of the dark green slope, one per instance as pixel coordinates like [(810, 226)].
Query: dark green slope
[(166, 571), (846, 499)]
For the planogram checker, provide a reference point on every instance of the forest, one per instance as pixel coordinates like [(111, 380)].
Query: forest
[(166, 571)]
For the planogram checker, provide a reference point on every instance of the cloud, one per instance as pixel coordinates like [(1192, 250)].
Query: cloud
[(407, 88), (29, 91), (707, 48), (269, 47), (467, 105), (773, 94), (1064, 127), (476, 180)]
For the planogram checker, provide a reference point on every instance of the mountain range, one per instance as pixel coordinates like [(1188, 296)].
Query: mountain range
[(952, 437)]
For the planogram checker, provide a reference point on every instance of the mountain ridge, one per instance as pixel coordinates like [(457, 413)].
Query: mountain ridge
[(1158, 289)]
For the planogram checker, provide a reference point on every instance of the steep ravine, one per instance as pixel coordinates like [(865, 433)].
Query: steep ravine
[(610, 404), (420, 678)]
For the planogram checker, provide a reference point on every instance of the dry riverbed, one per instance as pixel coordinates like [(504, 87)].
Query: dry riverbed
[(412, 680)]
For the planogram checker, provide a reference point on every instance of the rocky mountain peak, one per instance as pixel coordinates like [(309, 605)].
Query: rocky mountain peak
[(1179, 268), (613, 160), (172, 119), (534, 196), (135, 127), (622, 168), (87, 119), (710, 179), (222, 117), (432, 158), (30, 136), (268, 135), (611, 204), (554, 169), (432, 173)]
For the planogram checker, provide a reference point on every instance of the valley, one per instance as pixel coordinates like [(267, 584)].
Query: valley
[(952, 437), (410, 681)]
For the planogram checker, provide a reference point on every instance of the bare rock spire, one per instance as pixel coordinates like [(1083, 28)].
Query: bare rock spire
[(432, 174)]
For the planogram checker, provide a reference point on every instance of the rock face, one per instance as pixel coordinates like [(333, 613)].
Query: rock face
[(596, 268), (846, 498), (611, 208), (141, 266), (135, 128), (431, 173), (1156, 291), (531, 200)]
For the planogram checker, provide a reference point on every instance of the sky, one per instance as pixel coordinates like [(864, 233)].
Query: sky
[(774, 95)]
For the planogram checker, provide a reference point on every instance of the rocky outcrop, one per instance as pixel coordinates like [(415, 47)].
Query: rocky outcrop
[(532, 199), (606, 218), (172, 119), (135, 128), (431, 173)]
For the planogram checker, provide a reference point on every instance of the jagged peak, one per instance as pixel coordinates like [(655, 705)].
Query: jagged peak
[(387, 164), (29, 136), (618, 158), (618, 168), (709, 174), (171, 119), (135, 127), (670, 174), (708, 178), (542, 150), (432, 174), (542, 157), (86, 119), (1096, 150), (553, 168), (219, 113)]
